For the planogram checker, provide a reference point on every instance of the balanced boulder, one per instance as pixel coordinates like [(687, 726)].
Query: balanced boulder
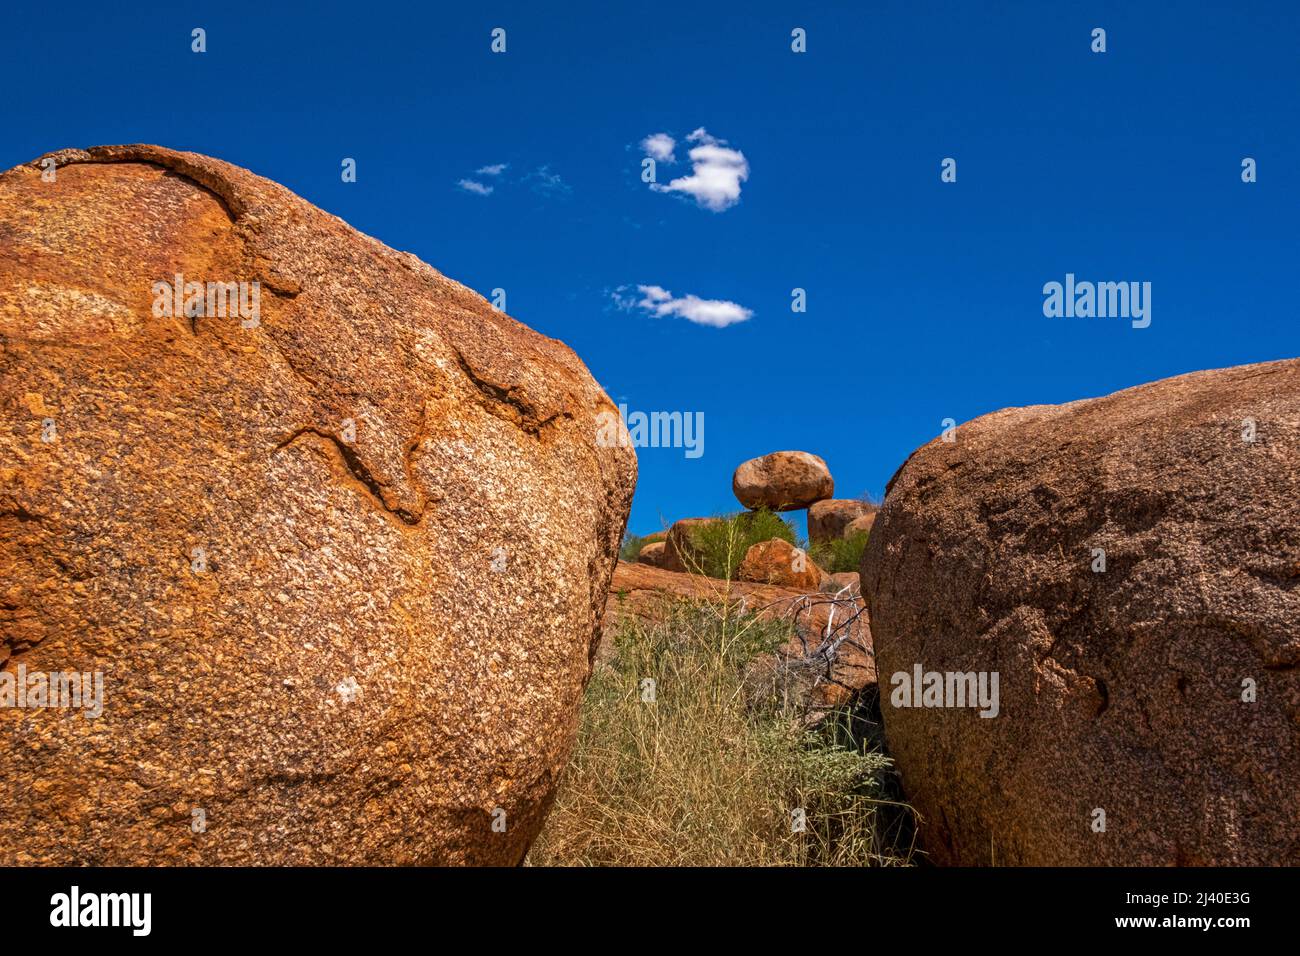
[(1087, 624), (331, 533), (782, 481)]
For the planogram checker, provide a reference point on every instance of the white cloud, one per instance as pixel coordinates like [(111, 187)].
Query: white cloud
[(547, 183), (659, 147), (541, 180), (659, 302), (716, 172)]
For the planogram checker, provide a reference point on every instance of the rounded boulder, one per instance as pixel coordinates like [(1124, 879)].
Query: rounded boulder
[(1087, 627), (782, 481), (331, 535)]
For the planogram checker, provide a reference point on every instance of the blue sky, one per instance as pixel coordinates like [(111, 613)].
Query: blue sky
[(924, 298)]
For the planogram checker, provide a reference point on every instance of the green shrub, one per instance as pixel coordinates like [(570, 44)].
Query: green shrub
[(841, 554), (720, 546), (702, 776), (632, 545)]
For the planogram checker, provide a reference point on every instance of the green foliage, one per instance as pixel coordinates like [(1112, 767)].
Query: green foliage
[(632, 545), (720, 546), (841, 554)]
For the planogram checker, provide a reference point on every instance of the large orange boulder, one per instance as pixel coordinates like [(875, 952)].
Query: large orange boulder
[(781, 563), (332, 535), (1127, 569), (782, 481)]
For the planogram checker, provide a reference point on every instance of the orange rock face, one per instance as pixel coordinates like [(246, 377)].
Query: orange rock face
[(339, 554), (860, 525), (652, 554), (679, 554), (781, 563), (831, 519), (782, 481), (1128, 567), (847, 581)]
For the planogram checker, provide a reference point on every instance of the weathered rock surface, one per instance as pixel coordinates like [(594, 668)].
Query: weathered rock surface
[(342, 569), (828, 661), (861, 525), (652, 554), (841, 581), (830, 519), (782, 481), (781, 563), (679, 552), (1120, 690)]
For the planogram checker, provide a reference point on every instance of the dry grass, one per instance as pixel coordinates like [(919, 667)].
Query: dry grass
[(701, 777)]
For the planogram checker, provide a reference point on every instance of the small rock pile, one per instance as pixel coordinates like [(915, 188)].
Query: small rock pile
[(780, 481), (828, 662)]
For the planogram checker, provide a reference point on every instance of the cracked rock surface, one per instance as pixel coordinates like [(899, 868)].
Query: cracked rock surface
[(343, 572), (1163, 690)]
